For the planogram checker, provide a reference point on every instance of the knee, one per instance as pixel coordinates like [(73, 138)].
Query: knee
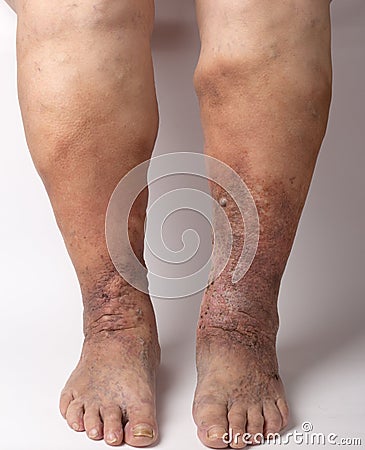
[(284, 50), (217, 77), (73, 154), (83, 91), (91, 140), (247, 76), (85, 133), (41, 19)]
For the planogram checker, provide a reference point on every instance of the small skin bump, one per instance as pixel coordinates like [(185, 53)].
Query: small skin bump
[(236, 353)]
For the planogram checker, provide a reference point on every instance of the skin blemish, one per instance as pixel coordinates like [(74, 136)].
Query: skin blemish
[(223, 201), (274, 51)]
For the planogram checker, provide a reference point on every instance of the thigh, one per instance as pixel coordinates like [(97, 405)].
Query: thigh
[(86, 67)]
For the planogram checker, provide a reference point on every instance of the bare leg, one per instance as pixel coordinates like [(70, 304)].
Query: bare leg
[(87, 97), (264, 86)]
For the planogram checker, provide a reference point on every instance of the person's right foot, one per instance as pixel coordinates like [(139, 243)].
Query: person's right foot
[(111, 393)]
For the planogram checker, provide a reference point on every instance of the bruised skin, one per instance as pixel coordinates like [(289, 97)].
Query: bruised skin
[(264, 86)]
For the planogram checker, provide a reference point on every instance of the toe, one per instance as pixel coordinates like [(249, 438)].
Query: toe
[(92, 422), (284, 411), (237, 418), (141, 429), (65, 399), (75, 415), (112, 419), (273, 420), (255, 424), (211, 420)]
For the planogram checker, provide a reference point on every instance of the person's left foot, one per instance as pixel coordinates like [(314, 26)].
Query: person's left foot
[(239, 389)]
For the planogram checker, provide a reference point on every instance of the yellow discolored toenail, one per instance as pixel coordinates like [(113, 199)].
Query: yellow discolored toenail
[(75, 426), (111, 438), (143, 431), (215, 433)]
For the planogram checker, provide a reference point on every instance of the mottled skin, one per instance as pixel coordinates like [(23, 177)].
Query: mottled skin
[(114, 381), (264, 85), (87, 97)]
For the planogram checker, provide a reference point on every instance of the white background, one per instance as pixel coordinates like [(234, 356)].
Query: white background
[(322, 335)]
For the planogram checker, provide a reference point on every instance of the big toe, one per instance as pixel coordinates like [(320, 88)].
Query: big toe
[(211, 419), (141, 429)]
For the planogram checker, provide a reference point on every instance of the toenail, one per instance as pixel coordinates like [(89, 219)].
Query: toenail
[(215, 433), (75, 426), (143, 431), (93, 433), (111, 438)]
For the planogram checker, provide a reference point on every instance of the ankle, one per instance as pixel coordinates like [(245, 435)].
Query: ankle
[(243, 306)]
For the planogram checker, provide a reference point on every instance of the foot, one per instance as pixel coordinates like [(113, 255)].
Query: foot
[(239, 389), (111, 393)]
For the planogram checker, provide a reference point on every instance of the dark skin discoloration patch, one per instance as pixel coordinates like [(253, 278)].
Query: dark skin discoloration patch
[(264, 84), (116, 310), (75, 64), (253, 299), (241, 320)]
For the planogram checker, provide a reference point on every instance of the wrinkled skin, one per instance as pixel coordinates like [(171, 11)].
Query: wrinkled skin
[(264, 87), (87, 97)]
